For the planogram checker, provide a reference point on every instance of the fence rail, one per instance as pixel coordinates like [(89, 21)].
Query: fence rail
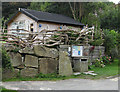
[(25, 38)]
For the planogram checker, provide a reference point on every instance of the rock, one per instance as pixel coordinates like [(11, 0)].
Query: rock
[(45, 52), (22, 66), (47, 65), (9, 48), (65, 67), (27, 50), (77, 73), (86, 51), (16, 59), (16, 70), (8, 73), (93, 74), (31, 61), (90, 73), (64, 47), (29, 72)]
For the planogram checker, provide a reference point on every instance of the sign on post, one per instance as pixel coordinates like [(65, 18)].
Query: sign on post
[(77, 51)]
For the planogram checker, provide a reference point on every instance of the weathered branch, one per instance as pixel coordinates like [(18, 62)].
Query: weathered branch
[(73, 12)]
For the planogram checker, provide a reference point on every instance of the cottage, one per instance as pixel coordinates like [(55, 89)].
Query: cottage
[(35, 21)]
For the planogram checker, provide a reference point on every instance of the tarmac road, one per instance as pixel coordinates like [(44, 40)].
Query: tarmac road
[(70, 84)]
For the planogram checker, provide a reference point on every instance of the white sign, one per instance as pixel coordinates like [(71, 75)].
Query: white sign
[(77, 51)]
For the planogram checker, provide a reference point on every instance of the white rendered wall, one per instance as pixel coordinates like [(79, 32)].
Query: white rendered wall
[(28, 21)]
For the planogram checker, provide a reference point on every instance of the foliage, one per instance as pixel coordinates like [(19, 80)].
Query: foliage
[(51, 75), (52, 7), (101, 14), (114, 52), (98, 40), (16, 49), (91, 19), (108, 70), (40, 6), (9, 8), (109, 40), (99, 63), (118, 41), (7, 90), (107, 59), (102, 61), (5, 59), (3, 20), (109, 18)]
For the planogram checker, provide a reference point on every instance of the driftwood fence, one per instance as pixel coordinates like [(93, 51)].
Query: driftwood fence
[(48, 38)]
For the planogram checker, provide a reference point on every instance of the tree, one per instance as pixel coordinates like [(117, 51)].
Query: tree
[(40, 6), (109, 19), (3, 25), (9, 8), (91, 20), (109, 41), (52, 7)]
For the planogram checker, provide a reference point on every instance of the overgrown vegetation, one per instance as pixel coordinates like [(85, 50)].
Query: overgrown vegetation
[(110, 43), (5, 59), (98, 38), (102, 61)]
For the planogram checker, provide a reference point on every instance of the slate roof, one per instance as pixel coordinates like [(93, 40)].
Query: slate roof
[(49, 17)]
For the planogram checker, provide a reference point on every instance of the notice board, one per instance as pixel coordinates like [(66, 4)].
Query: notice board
[(77, 51)]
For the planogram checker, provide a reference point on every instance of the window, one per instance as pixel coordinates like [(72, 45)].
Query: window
[(31, 27), (18, 29), (14, 23), (21, 24)]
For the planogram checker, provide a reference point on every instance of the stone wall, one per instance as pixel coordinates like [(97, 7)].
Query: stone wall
[(28, 62), (96, 53)]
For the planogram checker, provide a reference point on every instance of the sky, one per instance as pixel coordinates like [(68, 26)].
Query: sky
[(115, 1)]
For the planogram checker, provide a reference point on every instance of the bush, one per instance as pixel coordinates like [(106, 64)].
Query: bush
[(103, 61), (97, 38), (109, 41), (5, 59), (99, 63), (114, 53), (107, 59), (118, 43)]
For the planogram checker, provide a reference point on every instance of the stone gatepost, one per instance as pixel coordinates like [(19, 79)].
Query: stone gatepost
[(65, 65)]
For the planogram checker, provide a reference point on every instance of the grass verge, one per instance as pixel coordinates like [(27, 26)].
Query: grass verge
[(7, 90)]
